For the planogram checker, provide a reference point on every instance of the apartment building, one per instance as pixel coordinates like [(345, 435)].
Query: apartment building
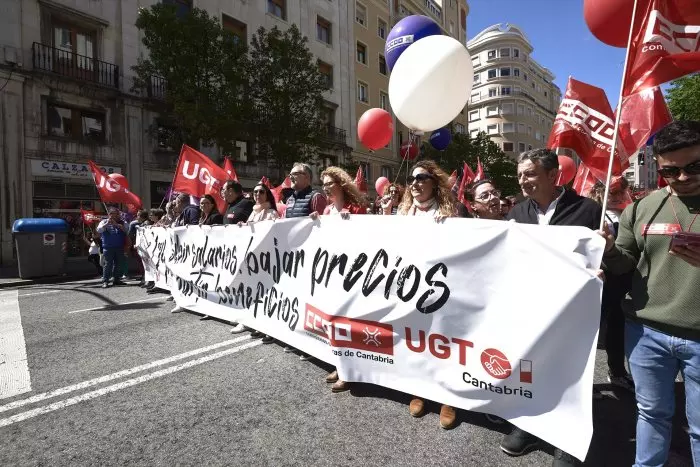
[(641, 174), (65, 98), (373, 19), (514, 99)]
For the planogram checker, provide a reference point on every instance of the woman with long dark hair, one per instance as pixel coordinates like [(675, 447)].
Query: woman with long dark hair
[(210, 214), (485, 200), (265, 207)]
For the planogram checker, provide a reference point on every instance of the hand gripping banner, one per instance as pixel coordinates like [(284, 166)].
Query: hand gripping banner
[(496, 317)]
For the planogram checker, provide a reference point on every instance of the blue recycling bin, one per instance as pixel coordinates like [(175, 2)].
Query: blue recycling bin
[(41, 246)]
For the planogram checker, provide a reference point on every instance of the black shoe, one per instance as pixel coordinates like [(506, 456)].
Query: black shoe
[(151, 285), (518, 443), (268, 340), (119, 283), (153, 290), (256, 334), (105, 285), (562, 459)]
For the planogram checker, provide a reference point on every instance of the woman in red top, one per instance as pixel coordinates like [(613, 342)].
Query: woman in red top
[(344, 198)]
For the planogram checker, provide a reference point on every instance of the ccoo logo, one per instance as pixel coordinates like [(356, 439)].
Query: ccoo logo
[(495, 363)]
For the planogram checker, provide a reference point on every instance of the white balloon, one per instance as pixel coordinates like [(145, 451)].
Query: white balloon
[(431, 83)]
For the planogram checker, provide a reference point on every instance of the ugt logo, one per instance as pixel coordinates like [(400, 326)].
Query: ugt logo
[(201, 173)]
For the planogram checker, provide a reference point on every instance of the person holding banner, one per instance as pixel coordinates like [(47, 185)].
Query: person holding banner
[(390, 201), (345, 199), (305, 199), (187, 214), (210, 215), (546, 204), (114, 237), (429, 194), (485, 200), (239, 207), (659, 240), (264, 208)]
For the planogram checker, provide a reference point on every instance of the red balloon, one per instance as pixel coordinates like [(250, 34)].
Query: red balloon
[(375, 128), (409, 151), (610, 20), (567, 170), (120, 179), (381, 184)]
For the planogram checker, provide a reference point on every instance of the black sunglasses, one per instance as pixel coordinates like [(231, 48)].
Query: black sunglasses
[(419, 178), (673, 172)]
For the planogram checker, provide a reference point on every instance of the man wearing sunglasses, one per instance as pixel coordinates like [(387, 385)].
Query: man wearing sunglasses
[(239, 208), (662, 332), (305, 199)]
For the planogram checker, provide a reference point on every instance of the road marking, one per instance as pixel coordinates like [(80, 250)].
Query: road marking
[(117, 305), (123, 385), (117, 375), (42, 293), (14, 370)]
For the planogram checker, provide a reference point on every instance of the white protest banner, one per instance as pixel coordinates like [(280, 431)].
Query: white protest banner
[(482, 315)]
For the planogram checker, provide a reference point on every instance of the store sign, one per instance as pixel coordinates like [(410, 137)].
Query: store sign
[(45, 168)]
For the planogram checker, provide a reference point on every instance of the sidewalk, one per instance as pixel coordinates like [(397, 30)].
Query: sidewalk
[(75, 270)]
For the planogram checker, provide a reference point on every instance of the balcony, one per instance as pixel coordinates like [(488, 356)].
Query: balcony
[(433, 8), (80, 67), (156, 88), (260, 170), (335, 135)]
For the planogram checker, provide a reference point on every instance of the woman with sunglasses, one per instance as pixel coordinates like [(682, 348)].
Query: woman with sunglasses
[(485, 200), (210, 214), (344, 198), (265, 208), (389, 203), (428, 194)]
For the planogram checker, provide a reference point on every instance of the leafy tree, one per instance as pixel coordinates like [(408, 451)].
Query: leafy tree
[(684, 98), (286, 91), (497, 165), (203, 67)]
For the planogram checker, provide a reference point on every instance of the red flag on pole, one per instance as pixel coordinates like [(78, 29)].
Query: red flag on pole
[(643, 114), (585, 123), (467, 178), (360, 180), (90, 216), (583, 181), (665, 44), (230, 170), (479, 171), (277, 191), (197, 175), (265, 181), (110, 191)]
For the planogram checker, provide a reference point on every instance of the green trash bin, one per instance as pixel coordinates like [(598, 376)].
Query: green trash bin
[(41, 246)]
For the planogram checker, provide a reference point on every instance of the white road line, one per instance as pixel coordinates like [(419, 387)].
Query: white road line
[(123, 385), (117, 375), (14, 370), (116, 305), (42, 293)]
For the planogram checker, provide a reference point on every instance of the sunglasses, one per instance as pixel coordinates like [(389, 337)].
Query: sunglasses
[(674, 172), (419, 178), (297, 174), (328, 185)]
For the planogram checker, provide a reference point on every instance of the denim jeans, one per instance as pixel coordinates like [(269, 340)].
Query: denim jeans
[(655, 359), (112, 264)]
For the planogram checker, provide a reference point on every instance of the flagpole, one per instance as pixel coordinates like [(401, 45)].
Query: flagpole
[(173, 180), (617, 117)]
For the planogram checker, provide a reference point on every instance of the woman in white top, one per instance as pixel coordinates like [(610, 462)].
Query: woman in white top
[(265, 207), (428, 193)]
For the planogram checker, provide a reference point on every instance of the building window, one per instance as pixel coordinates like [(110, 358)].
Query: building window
[(529, 131), (77, 124), (362, 92), (505, 90), (361, 14), (277, 8), (459, 128), (492, 111), (474, 133), (521, 147), (492, 74), (508, 128), (491, 54), (516, 72), (507, 109), (505, 71), (492, 129), (381, 28), (236, 28), (516, 53), (529, 112), (323, 30), (508, 147), (182, 7), (493, 92), (384, 100), (362, 53), (521, 109), (473, 115), (476, 97), (366, 170), (326, 70), (505, 52), (387, 172), (521, 128), (545, 94), (477, 78), (529, 147), (525, 76), (70, 40), (382, 65), (452, 28)]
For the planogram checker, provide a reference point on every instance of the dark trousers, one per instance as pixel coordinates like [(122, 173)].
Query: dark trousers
[(614, 292)]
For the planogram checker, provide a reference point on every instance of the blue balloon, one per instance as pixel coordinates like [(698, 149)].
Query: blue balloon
[(406, 32), (441, 138), (650, 141)]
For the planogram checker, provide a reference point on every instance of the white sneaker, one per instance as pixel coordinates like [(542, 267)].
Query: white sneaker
[(177, 309), (238, 329)]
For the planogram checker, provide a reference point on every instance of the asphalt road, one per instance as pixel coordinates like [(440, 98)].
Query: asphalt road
[(117, 379)]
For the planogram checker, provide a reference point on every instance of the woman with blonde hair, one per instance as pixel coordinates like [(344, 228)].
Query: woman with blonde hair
[(429, 193), (391, 198), (341, 191)]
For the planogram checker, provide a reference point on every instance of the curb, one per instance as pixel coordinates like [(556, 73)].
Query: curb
[(46, 280)]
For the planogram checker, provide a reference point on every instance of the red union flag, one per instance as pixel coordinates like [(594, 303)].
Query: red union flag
[(230, 170), (665, 44), (197, 175), (584, 180), (360, 181), (643, 114), (585, 123), (110, 191)]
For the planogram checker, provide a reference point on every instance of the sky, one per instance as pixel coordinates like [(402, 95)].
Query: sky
[(560, 39)]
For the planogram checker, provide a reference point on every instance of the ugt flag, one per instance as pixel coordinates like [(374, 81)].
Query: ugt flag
[(110, 191), (197, 175)]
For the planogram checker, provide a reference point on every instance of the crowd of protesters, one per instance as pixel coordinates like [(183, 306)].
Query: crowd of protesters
[(649, 308)]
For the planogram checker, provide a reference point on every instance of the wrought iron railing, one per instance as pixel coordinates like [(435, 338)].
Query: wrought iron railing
[(336, 135), (156, 87), (66, 63)]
